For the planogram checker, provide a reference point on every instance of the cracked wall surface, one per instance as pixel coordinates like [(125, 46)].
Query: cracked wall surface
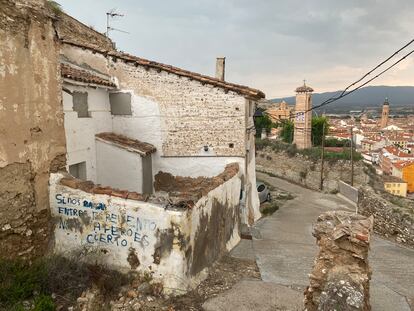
[(175, 242), (32, 141)]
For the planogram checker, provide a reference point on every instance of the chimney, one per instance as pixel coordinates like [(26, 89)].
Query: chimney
[(220, 68)]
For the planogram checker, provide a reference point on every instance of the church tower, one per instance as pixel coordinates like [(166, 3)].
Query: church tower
[(303, 117), (385, 113)]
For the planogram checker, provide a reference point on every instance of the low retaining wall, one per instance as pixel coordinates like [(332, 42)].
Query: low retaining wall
[(175, 244), (349, 192), (306, 172), (391, 221)]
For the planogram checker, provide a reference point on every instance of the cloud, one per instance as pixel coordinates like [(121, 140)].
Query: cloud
[(270, 45)]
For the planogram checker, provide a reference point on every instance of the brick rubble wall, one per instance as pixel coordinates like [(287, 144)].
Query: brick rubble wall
[(340, 276)]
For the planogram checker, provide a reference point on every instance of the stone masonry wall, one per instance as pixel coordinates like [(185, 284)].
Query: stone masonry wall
[(340, 276), (32, 140), (306, 172), (391, 221), (193, 115)]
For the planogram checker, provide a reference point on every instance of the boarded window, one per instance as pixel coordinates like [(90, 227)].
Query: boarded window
[(80, 104), (120, 103), (78, 170)]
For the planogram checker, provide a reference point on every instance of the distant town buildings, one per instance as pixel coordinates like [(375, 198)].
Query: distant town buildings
[(395, 186), (387, 143), (280, 111)]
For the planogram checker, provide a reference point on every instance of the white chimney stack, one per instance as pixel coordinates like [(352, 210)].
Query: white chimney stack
[(220, 68)]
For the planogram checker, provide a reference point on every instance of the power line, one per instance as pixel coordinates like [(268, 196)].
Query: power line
[(344, 93)]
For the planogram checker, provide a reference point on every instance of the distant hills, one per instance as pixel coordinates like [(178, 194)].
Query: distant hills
[(370, 97)]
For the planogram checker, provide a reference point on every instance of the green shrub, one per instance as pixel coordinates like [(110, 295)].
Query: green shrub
[(66, 278), (44, 303), (55, 7)]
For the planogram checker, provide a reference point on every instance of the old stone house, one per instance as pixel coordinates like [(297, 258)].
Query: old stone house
[(195, 123), (71, 101)]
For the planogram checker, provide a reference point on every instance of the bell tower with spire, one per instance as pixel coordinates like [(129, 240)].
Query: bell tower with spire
[(303, 117), (385, 113)]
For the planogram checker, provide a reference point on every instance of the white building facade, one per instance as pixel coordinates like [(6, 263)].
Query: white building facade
[(196, 124)]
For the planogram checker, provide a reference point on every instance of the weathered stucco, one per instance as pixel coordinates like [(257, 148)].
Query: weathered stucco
[(181, 116), (32, 141), (176, 243)]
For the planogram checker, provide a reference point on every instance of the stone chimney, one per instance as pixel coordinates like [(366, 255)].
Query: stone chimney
[(220, 68)]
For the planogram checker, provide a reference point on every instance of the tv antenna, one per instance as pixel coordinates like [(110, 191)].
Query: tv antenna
[(110, 15)]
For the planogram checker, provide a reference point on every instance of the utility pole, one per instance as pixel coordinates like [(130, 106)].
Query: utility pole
[(352, 156), (322, 155)]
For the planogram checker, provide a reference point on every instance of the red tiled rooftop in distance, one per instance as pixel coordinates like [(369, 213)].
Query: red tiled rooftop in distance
[(401, 164)]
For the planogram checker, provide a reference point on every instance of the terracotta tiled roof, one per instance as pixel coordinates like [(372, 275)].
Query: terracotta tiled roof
[(401, 164), (240, 89), (84, 76), (127, 143), (398, 153)]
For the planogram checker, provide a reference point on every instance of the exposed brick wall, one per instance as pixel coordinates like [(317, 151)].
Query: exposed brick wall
[(32, 140), (193, 114), (340, 276)]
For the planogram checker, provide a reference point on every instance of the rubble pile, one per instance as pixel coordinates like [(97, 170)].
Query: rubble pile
[(341, 274)]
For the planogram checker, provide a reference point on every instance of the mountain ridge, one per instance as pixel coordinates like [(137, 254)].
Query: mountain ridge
[(367, 97)]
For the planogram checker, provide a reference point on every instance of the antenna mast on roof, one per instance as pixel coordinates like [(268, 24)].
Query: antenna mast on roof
[(112, 14)]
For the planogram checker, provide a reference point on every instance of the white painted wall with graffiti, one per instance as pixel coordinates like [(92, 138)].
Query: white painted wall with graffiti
[(175, 245)]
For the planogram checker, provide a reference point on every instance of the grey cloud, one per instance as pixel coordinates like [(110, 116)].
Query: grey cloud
[(269, 44)]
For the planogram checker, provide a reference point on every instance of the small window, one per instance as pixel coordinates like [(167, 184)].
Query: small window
[(80, 104), (261, 188), (78, 170), (231, 145), (120, 104)]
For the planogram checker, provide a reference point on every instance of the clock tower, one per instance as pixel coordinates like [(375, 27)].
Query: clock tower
[(303, 117)]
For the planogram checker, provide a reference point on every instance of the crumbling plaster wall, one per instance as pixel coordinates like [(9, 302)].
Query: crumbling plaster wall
[(80, 132), (176, 245), (179, 116), (32, 139)]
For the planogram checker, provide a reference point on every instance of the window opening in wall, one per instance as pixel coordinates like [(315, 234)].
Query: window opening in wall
[(78, 170), (120, 103), (80, 104), (231, 145)]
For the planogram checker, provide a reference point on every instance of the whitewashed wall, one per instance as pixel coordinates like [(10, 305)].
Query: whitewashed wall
[(80, 132), (120, 232), (179, 116), (117, 167)]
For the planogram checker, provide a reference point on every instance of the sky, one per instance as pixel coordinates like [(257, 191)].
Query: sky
[(271, 45)]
